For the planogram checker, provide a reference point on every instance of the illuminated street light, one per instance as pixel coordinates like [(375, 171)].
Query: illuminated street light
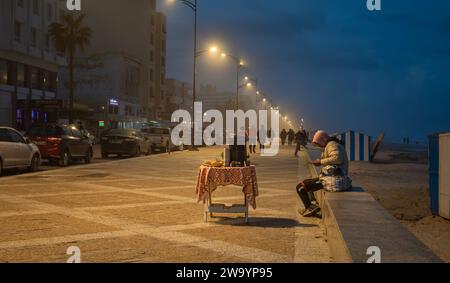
[(239, 65), (212, 50)]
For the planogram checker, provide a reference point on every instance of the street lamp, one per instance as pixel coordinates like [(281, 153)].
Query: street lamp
[(255, 81), (240, 64), (192, 4)]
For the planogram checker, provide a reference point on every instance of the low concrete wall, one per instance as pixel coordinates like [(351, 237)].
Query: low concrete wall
[(354, 222)]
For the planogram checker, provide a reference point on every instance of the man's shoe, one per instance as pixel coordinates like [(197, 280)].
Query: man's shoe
[(311, 211), (301, 211)]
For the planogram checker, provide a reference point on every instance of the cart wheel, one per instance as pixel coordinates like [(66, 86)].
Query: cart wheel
[(206, 217)]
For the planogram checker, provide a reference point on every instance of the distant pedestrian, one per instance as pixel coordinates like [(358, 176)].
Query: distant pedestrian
[(283, 136), (301, 140), (252, 139), (262, 138), (291, 137)]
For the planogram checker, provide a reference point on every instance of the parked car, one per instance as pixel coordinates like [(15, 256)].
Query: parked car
[(17, 151), (159, 138), (61, 144), (124, 142)]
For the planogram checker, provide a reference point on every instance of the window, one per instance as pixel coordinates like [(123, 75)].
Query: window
[(17, 31), (20, 75), (15, 137), (36, 7), (34, 37), (46, 80), (20, 3), (151, 56), (151, 92), (76, 133), (152, 38), (47, 42), (3, 72), (152, 20), (49, 12), (163, 61), (151, 75), (35, 78), (4, 135)]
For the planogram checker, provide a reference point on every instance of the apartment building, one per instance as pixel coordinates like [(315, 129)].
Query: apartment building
[(28, 62), (159, 98), (119, 76)]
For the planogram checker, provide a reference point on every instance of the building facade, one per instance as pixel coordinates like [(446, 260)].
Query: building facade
[(119, 75), (28, 62), (178, 97), (159, 97), (213, 99)]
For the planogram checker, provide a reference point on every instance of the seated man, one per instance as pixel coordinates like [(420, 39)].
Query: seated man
[(333, 177)]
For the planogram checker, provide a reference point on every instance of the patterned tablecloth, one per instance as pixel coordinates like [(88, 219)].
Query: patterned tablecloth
[(209, 178)]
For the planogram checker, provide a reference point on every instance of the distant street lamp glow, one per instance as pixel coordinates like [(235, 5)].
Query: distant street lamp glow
[(213, 49)]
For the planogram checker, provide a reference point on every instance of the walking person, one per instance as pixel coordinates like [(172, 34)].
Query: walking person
[(283, 136), (334, 174), (300, 139), (291, 136), (262, 138), (253, 139)]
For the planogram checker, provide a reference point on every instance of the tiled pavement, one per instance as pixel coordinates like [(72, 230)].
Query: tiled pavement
[(145, 210)]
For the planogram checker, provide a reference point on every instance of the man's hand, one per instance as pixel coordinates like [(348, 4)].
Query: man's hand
[(317, 163)]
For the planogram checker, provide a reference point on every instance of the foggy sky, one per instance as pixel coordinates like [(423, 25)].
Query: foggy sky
[(330, 61)]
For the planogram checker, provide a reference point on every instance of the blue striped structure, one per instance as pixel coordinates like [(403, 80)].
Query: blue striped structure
[(358, 146)]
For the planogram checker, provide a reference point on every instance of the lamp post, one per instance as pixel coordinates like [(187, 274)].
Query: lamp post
[(192, 4), (239, 65)]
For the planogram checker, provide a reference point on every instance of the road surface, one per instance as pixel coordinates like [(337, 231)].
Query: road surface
[(145, 210)]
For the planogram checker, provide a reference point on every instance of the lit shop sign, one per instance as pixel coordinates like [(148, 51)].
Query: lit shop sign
[(101, 124), (113, 102)]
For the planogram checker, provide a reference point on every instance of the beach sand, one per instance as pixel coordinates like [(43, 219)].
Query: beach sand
[(398, 180)]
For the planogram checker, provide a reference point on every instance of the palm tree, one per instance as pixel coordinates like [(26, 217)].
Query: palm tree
[(69, 36)]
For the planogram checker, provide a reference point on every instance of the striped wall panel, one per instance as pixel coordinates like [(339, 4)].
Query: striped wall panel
[(357, 145)]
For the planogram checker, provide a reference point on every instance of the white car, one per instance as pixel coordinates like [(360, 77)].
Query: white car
[(17, 152)]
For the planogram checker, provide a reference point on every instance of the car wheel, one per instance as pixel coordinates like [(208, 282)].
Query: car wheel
[(35, 163), (88, 157), (65, 159)]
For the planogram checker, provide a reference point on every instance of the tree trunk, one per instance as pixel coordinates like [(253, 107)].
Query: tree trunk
[(71, 87)]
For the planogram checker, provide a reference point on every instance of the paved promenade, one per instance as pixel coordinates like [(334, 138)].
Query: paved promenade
[(145, 210)]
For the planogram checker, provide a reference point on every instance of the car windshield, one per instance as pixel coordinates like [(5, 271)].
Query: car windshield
[(50, 131), (121, 132)]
